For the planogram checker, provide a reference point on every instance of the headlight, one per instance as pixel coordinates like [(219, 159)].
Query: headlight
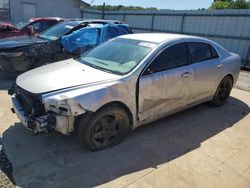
[(59, 107), (64, 107), (12, 54)]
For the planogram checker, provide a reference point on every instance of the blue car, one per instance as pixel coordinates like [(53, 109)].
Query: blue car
[(92, 35), (62, 41)]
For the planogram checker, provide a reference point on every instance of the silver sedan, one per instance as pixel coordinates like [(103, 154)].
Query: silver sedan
[(122, 84)]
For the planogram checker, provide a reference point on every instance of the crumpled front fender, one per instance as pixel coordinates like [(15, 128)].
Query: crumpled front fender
[(91, 98)]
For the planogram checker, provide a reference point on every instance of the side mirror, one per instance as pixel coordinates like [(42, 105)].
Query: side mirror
[(148, 71)]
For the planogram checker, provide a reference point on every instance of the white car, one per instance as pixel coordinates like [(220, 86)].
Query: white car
[(122, 84)]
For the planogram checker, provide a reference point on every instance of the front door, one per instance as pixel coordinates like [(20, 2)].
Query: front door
[(164, 85)]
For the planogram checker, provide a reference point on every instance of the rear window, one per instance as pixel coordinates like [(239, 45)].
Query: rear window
[(201, 52), (213, 52), (21, 25), (59, 30)]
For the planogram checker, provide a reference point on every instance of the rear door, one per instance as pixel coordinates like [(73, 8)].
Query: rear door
[(205, 67), (164, 85)]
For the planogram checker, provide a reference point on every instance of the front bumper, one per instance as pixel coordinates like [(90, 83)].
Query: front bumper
[(36, 124)]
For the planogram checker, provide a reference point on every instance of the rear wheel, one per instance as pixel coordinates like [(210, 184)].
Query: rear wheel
[(104, 129), (223, 91)]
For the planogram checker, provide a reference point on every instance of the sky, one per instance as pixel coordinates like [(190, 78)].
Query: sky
[(160, 4)]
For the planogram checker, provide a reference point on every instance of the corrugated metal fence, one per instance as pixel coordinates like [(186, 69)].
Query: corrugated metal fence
[(230, 28)]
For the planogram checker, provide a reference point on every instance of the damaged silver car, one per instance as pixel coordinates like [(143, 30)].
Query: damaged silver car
[(122, 84)]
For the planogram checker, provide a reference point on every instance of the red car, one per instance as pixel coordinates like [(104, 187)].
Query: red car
[(30, 27)]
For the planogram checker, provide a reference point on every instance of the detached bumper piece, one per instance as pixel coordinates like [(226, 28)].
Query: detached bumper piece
[(44, 123)]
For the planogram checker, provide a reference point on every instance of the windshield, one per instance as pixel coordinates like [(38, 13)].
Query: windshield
[(58, 30), (118, 56), (21, 25)]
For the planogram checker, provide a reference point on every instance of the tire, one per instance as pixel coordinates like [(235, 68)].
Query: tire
[(223, 91), (40, 62), (103, 129)]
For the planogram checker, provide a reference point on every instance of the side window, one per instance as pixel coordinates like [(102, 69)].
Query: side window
[(52, 22), (172, 57), (201, 52), (35, 26), (40, 26)]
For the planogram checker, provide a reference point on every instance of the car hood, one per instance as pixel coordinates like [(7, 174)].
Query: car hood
[(19, 42), (60, 75), (6, 24)]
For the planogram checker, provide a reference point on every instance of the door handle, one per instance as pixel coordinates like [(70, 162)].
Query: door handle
[(219, 65), (186, 74)]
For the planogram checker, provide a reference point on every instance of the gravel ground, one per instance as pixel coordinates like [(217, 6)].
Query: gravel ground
[(6, 172), (5, 181)]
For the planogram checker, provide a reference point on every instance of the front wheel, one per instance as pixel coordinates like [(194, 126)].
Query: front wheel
[(104, 129), (223, 91)]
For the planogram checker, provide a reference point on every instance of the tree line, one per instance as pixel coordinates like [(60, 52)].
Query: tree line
[(230, 4), (217, 4), (121, 7)]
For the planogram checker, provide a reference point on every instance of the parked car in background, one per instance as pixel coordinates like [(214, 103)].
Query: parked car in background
[(20, 54), (122, 84), (31, 27), (5, 26), (92, 35)]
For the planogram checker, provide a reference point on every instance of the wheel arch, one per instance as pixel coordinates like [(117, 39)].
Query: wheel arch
[(219, 81), (215, 100), (230, 76), (121, 105)]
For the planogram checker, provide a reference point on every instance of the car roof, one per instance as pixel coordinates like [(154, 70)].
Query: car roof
[(157, 37), (77, 22), (94, 20), (47, 18)]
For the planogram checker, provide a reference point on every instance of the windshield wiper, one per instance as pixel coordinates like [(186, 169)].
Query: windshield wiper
[(95, 66), (100, 68), (100, 62)]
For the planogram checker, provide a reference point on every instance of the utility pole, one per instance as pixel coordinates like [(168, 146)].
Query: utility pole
[(103, 10)]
